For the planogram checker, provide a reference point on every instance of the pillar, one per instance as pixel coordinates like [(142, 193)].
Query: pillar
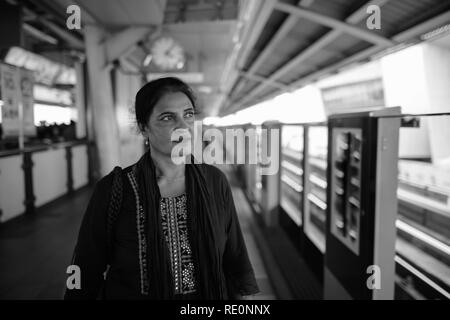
[(105, 125)]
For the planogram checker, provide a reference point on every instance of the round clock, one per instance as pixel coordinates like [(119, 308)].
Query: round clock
[(167, 54)]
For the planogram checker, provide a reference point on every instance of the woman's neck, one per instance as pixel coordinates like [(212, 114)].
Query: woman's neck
[(165, 166)]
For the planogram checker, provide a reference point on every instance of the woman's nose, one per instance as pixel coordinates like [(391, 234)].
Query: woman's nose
[(182, 124)]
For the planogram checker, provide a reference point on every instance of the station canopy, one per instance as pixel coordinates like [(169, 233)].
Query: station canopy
[(236, 54)]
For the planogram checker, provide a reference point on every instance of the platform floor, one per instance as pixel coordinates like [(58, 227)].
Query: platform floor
[(35, 250)]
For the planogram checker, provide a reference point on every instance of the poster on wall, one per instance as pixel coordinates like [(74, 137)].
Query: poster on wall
[(10, 88), (26, 88)]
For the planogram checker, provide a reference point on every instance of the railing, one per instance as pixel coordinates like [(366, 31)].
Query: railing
[(36, 175)]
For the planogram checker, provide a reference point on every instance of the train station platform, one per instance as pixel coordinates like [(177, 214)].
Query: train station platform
[(333, 117)]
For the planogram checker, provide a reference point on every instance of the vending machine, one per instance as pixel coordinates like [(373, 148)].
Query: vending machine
[(362, 205)]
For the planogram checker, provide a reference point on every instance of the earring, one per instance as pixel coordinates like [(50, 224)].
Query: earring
[(147, 142)]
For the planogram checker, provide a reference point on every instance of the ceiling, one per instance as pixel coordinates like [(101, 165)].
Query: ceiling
[(246, 51), (205, 29), (303, 41)]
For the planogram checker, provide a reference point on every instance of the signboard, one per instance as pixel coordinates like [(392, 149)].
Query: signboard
[(45, 71), (46, 95), (17, 96), (10, 88), (26, 86), (359, 95)]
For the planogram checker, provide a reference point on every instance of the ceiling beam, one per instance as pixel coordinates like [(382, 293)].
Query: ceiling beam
[(271, 83), (424, 27), (252, 30), (407, 35), (319, 73), (287, 26), (328, 38), (38, 34), (411, 35), (63, 34), (253, 35), (334, 24), (121, 43)]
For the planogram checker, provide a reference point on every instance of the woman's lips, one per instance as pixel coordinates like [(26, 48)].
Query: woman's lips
[(181, 139)]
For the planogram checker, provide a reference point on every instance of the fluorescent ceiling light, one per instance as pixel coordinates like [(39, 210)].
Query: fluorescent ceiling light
[(436, 32), (147, 60)]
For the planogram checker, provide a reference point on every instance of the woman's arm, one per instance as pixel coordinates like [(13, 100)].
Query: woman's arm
[(237, 266), (90, 251)]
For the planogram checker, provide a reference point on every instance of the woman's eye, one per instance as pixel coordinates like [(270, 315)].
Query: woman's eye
[(166, 118), (189, 114)]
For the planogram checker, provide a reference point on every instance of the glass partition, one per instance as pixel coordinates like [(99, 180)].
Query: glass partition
[(423, 220), (291, 172), (316, 188), (257, 187)]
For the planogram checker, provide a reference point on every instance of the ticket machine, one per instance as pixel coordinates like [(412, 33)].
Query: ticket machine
[(362, 198)]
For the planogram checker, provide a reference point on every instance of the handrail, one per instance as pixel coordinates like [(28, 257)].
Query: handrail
[(423, 202), (42, 147), (435, 189), (319, 203), (292, 184), (292, 168), (421, 276), (422, 236)]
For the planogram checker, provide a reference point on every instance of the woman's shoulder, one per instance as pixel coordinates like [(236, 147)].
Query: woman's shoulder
[(104, 184), (216, 179), (213, 173)]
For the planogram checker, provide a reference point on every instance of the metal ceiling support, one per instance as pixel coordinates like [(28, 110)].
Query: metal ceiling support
[(38, 34), (424, 27), (322, 72), (123, 42), (334, 24), (63, 34), (314, 48), (287, 26), (413, 32), (406, 35), (306, 3), (126, 66), (313, 76), (264, 14), (241, 50), (272, 83), (60, 32)]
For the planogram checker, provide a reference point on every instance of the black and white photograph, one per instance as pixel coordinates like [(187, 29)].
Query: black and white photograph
[(237, 154)]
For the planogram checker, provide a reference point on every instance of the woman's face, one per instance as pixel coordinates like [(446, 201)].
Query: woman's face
[(174, 111)]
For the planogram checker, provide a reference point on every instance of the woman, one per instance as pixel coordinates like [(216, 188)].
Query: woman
[(177, 235)]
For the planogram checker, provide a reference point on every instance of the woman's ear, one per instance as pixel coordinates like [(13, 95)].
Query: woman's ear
[(144, 130)]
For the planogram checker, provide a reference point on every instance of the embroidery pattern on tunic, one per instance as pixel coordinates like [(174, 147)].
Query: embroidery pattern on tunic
[(142, 243), (174, 223), (175, 228)]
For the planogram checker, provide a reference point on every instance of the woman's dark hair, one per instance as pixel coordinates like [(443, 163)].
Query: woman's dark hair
[(149, 95)]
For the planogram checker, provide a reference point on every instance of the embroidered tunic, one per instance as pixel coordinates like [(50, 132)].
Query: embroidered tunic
[(174, 224)]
